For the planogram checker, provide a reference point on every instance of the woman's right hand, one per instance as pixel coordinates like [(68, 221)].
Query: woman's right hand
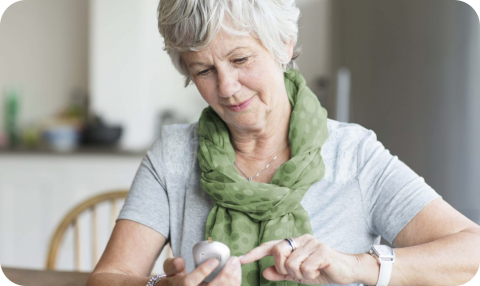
[(231, 274)]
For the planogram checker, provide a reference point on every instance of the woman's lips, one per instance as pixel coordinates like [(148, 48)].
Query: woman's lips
[(241, 106)]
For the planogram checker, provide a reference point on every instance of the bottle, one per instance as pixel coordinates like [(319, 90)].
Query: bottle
[(11, 120)]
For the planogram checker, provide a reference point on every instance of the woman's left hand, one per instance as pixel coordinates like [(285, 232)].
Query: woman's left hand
[(312, 262)]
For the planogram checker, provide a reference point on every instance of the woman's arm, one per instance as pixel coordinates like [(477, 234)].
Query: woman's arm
[(439, 246), (129, 256)]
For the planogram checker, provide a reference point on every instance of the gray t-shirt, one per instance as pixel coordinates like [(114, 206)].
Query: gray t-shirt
[(365, 193)]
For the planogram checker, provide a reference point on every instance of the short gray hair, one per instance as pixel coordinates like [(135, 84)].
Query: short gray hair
[(190, 25)]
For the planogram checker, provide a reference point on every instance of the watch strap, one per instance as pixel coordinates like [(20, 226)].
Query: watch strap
[(385, 273), (385, 257)]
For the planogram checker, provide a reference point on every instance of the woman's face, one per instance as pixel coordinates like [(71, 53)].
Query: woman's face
[(239, 79)]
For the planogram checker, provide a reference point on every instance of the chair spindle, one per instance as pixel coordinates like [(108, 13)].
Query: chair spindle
[(77, 244), (93, 210)]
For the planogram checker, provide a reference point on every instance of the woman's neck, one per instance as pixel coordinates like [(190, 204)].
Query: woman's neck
[(262, 145)]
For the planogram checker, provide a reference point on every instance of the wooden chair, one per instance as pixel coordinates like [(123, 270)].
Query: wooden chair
[(71, 219)]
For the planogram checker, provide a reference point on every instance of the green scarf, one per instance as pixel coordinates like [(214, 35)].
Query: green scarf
[(247, 214)]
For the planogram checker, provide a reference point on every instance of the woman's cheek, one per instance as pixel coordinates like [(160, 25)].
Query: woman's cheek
[(207, 91)]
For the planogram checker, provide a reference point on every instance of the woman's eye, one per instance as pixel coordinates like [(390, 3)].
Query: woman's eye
[(203, 72), (240, 61)]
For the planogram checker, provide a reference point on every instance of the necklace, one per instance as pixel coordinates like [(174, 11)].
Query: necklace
[(258, 174)]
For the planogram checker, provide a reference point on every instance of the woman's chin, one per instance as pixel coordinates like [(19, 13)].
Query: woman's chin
[(247, 126)]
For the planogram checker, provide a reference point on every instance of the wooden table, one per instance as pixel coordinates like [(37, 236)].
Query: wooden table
[(27, 277)]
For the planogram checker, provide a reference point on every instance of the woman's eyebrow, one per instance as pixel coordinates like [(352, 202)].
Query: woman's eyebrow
[(233, 50), (197, 64), (226, 56)]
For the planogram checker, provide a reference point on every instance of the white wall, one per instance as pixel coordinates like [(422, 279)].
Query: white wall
[(415, 83), (132, 78), (472, 109), (315, 41), (31, 210), (44, 53), (112, 48)]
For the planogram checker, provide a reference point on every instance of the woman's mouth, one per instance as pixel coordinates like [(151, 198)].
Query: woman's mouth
[(241, 106)]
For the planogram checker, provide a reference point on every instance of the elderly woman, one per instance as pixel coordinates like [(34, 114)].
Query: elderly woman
[(299, 197)]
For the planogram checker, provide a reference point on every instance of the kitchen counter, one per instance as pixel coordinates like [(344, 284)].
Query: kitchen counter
[(83, 150), (38, 188)]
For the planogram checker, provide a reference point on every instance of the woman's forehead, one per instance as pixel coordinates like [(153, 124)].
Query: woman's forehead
[(224, 42), (223, 46)]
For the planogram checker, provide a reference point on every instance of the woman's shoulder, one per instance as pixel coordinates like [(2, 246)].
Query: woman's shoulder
[(180, 137), (340, 151), (175, 137), (338, 129), (175, 148), (179, 132)]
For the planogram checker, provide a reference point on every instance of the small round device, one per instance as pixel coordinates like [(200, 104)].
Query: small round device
[(204, 250)]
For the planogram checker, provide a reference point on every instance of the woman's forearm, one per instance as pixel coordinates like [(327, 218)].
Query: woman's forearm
[(451, 260), (116, 279)]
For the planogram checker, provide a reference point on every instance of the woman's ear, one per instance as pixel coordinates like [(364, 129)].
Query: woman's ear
[(289, 51)]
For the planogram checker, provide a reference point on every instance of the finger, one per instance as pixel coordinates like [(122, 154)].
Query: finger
[(280, 253), (259, 252), (310, 268), (201, 272), (270, 273), (298, 257), (230, 274), (309, 271), (173, 266), (239, 275)]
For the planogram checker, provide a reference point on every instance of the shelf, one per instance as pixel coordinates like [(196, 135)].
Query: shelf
[(83, 150)]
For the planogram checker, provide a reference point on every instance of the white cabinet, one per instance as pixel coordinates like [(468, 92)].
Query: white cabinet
[(37, 191)]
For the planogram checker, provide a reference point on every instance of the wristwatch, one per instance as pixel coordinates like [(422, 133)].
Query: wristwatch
[(385, 257), (155, 279)]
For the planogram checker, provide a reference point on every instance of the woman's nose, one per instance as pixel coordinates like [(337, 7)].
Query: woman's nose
[(228, 83)]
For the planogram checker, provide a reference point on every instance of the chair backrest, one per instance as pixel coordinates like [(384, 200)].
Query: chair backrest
[(71, 220)]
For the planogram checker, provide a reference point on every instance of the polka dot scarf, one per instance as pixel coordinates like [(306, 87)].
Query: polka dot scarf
[(246, 214)]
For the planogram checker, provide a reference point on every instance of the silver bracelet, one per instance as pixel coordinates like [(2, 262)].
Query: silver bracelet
[(155, 279)]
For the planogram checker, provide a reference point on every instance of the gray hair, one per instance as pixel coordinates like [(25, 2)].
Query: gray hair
[(190, 25)]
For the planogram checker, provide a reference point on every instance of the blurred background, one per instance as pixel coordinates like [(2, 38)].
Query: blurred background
[(85, 86)]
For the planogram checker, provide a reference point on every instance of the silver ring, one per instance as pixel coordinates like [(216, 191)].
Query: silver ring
[(292, 243)]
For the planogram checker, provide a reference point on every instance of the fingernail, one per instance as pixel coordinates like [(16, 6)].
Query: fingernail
[(213, 262), (240, 257)]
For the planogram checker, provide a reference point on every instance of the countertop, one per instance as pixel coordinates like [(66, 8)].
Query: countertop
[(83, 150)]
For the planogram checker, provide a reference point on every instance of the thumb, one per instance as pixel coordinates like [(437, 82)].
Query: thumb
[(173, 266), (270, 273)]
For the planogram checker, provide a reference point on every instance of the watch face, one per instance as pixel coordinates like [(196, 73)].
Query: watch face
[(383, 250)]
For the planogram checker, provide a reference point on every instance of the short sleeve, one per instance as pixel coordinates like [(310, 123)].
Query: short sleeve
[(147, 201), (392, 192)]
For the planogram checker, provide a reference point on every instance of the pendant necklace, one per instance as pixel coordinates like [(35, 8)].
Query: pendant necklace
[(258, 174)]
